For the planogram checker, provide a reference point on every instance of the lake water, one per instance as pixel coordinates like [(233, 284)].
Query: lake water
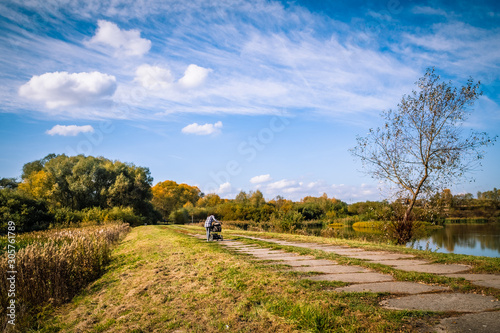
[(471, 239)]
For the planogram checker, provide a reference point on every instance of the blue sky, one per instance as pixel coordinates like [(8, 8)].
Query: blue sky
[(235, 95)]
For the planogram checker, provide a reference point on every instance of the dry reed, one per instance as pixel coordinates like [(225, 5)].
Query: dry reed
[(55, 265)]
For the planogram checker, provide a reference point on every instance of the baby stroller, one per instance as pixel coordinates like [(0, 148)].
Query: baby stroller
[(214, 230)]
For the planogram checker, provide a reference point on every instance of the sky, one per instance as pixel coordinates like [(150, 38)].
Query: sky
[(235, 95)]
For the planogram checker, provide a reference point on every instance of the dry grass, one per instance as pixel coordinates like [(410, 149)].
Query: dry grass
[(55, 266), (163, 281)]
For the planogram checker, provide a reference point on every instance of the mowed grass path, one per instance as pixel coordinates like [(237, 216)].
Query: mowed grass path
[(161, 280)]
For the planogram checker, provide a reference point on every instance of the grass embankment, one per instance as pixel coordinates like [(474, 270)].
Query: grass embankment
[(164, 281), (51, 267)]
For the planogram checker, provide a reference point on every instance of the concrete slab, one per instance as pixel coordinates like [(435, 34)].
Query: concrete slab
[(455, 302), (332, 269), (335, 250), (276, 256), (285, 260), (321, 248), (314, 262), (434, 268), (243, 247), (396, 287), (485, 322), (387, 256), (304, 245), (488, 284), (475, 277), (401, 262), (371, 257), (483, 280), (353, 277), (346, 251), (259, 251)]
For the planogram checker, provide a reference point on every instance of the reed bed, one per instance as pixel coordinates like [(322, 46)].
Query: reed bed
[(52, 266)]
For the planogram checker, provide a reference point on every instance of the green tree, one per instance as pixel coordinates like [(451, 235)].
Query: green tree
[(81, 182), (11, 183), (421, 147)]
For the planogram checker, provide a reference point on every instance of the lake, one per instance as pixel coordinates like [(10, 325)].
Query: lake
[(471, 239)]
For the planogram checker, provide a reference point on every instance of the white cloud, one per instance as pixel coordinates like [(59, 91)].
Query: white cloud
[(64, 89), (224, 188), (205, 129), (154, 77), (194, 76), (69, 130), (281, 184), (127, 42), (260, 179)]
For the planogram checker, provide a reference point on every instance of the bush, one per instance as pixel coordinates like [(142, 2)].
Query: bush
[(124, 214), (28, 214), (179, 216), (288, 222), (66, 217)]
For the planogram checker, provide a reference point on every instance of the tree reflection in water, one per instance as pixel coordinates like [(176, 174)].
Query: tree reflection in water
[(472, 239)]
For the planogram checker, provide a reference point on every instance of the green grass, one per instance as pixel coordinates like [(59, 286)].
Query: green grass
[(163, 280)]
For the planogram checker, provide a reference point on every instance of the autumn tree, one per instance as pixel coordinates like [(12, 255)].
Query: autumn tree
[(168, 196), (209, 200), (256, 198), (422, 146)]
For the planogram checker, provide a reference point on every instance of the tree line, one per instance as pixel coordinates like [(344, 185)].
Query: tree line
[(64, 190)]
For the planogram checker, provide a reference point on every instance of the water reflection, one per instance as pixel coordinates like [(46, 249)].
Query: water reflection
[(472, 239)]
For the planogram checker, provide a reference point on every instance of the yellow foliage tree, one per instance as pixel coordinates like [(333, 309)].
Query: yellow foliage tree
[(169, 196)]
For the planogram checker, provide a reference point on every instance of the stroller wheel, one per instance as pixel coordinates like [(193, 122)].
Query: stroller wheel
[(211, 237)]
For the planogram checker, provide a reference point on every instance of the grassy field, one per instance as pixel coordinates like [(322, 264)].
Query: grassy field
[(162, 280)]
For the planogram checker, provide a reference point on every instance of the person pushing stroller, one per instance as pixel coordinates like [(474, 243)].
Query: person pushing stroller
[(210, 222)]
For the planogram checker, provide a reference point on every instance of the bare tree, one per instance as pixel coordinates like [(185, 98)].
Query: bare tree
[(422, 147)]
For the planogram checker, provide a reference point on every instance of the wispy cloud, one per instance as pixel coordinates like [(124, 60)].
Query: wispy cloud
[(206, 129), (69, 130), (233, 61), (426, 10)]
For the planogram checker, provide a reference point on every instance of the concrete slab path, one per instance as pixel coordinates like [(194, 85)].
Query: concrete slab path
[(484, 310)]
